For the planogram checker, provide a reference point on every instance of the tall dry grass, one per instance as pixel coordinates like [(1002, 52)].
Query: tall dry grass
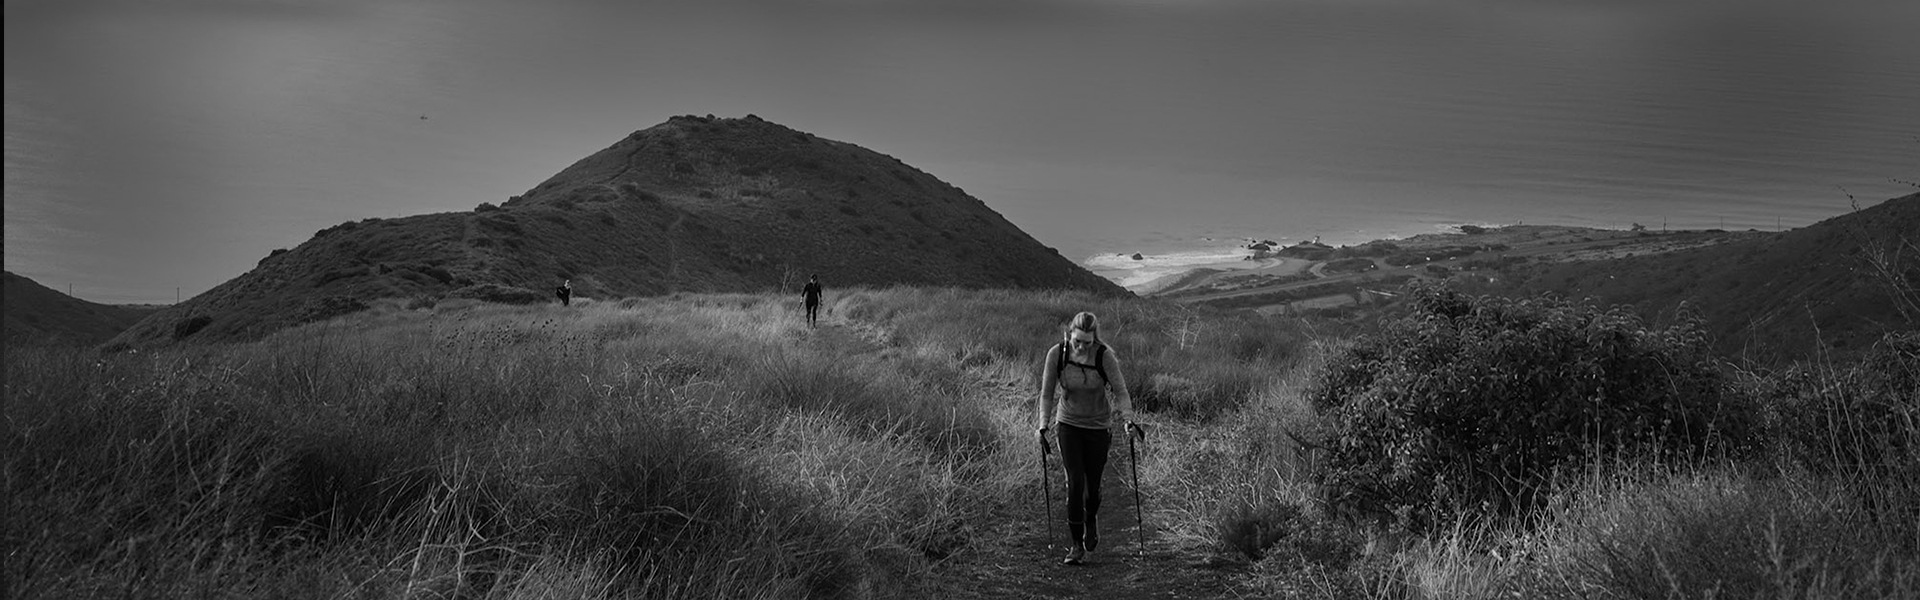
[(714, 446), (700, 447), (1828, 510)]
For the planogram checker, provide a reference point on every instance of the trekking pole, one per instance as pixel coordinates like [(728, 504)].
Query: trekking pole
[(1139, 522), (1046, 483)]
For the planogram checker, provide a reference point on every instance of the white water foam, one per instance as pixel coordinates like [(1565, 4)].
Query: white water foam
[(1130, 273)]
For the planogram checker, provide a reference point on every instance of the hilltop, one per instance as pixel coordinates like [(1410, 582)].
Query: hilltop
[(695, 204), (36, 314)]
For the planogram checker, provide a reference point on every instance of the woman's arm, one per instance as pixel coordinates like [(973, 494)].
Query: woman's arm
[(1049, 379), (1117, 385)]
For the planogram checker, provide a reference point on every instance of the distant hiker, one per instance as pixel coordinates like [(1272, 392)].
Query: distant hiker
[(565, 293), (1095, 402), (811, 296)]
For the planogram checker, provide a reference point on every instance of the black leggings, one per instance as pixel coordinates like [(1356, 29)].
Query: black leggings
[(1084, 454)]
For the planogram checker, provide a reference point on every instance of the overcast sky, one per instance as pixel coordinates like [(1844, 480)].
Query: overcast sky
[(155, 144)]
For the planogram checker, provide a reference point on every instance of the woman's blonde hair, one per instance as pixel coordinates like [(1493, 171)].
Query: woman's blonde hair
[(1085, 321)]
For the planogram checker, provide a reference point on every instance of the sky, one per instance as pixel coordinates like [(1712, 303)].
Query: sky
[(163, 145)]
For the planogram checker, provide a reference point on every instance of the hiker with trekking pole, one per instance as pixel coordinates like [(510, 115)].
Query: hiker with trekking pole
[(1092, 402)]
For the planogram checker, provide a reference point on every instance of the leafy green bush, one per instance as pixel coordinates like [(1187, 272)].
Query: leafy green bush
[(1468, 406)]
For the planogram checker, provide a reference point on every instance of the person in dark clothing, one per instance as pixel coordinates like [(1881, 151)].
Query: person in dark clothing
[(1094, 402), (565, 293), (811, 296)]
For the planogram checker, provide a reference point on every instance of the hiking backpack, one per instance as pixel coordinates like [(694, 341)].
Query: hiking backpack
[(1099, 361)]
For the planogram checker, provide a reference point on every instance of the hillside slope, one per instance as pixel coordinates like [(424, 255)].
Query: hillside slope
[(1768, 297), (693, 204), (36, 314)]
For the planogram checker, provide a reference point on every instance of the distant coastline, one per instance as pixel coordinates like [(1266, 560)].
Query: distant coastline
[(1256, 263), (1148, 272)]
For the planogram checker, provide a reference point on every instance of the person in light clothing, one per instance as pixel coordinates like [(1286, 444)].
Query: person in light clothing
[(1092, 401)]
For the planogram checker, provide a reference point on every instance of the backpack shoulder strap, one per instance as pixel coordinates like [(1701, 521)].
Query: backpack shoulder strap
[(1099, 360)]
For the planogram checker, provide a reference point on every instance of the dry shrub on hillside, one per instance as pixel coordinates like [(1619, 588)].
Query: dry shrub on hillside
[(504, 294), (1469, 406)]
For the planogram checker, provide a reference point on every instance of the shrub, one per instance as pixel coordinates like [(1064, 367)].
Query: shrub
[(1305, 253), (501, 223), (328, 307), (1280, 528), (191, 325), (1351, 265), (1369, 249), (1859, 419), (504, 294), (1469, 405)]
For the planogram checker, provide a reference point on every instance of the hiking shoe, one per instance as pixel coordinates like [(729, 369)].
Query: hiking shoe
[(1092, 536), (1075, 555)]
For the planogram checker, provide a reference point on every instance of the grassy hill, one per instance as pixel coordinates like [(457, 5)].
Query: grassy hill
[(691, 205), (714, 446), (1768, 297), (38, 315)]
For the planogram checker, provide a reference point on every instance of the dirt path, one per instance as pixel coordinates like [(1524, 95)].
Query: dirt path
[(1015, 556), (1019, 555), (1017, 559)]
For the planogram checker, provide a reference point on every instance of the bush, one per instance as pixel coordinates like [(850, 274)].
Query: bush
[(504, 294), (1285, 529), (1351, 265), (1859, 419), (1468, 406), (191, 325), (321, 309)]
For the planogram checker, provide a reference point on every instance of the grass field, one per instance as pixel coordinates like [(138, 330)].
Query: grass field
[(712, 446)]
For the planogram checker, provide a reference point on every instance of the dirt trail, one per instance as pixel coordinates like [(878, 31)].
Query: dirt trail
[(1019, 555), (1015, 555), (1017, 559)]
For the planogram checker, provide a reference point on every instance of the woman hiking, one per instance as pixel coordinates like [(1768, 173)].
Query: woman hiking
[(1093, 403)]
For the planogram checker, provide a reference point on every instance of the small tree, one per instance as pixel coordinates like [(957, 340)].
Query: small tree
[(1468, 406)]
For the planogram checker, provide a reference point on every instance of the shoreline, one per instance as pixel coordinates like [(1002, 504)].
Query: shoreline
[(1201, 273), (1226, 270)]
